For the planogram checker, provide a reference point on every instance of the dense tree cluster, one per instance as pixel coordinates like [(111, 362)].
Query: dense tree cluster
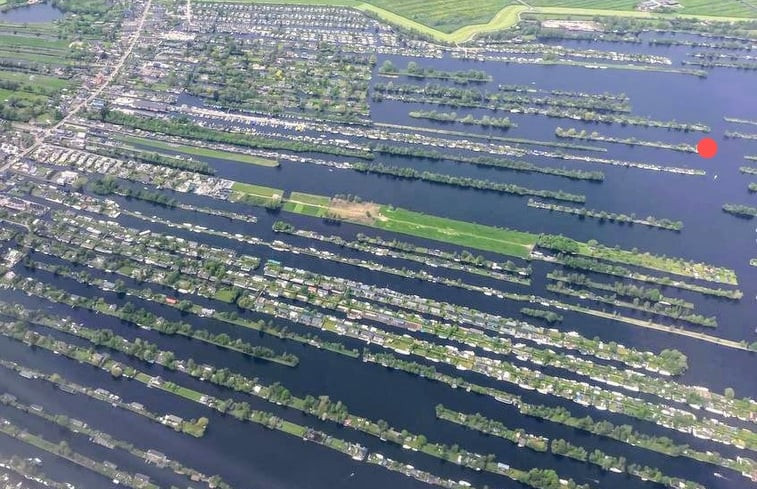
[(464, 182)]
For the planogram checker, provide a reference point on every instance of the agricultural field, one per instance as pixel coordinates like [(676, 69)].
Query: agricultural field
[(34, 71), (444, 15), (34, 48)]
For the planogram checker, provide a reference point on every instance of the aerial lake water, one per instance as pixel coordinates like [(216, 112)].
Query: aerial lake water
[(37, 13), (249, 456)]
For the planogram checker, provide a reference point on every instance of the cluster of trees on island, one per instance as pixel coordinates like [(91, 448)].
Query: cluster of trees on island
[(662, 308), (416, 71), (592, 265), (465, 182), (549, 316), (740, 210), (634, 256), (583, 134), (523, 166), (620, 288), (472, 97), (582, 212), (109, 185), (740, 135), (484, 121), (585, 109)]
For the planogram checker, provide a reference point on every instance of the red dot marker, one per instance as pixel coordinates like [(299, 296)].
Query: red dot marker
[(707, 148)]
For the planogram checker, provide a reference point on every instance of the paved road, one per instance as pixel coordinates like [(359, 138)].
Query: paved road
[(95, 93)]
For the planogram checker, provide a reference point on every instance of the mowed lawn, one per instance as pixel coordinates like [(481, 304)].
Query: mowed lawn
[(461, 233), (307, 204), (403, 221), (257, 190)]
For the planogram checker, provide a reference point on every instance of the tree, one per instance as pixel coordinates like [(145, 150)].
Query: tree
[(116, 371), (63, 449), (388, 67), (729, 393)]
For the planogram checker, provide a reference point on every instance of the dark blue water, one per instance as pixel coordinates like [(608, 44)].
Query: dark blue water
[(248, 456), (32, 14)]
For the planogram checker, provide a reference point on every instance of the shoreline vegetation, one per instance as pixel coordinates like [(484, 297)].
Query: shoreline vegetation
[(144, 319), (735, 120), (63, 451), (740, 135), (592, 265), (575, 351), (602, 216), (433, 154), (320, 407), (413, 70), (270, 271), (153, 158), (192, 427), (676, 266), (622, 433), (491, 137), (31, 285), (619, 288), (26, 286), (585, 135), (549, 316), (740, 210), (98, 437), (550, 106), (187, 307), (674, 312), (490, 161), (186, 129), (465, 261), (485, 121), (227, 295), (464, 182), (559, 446)]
